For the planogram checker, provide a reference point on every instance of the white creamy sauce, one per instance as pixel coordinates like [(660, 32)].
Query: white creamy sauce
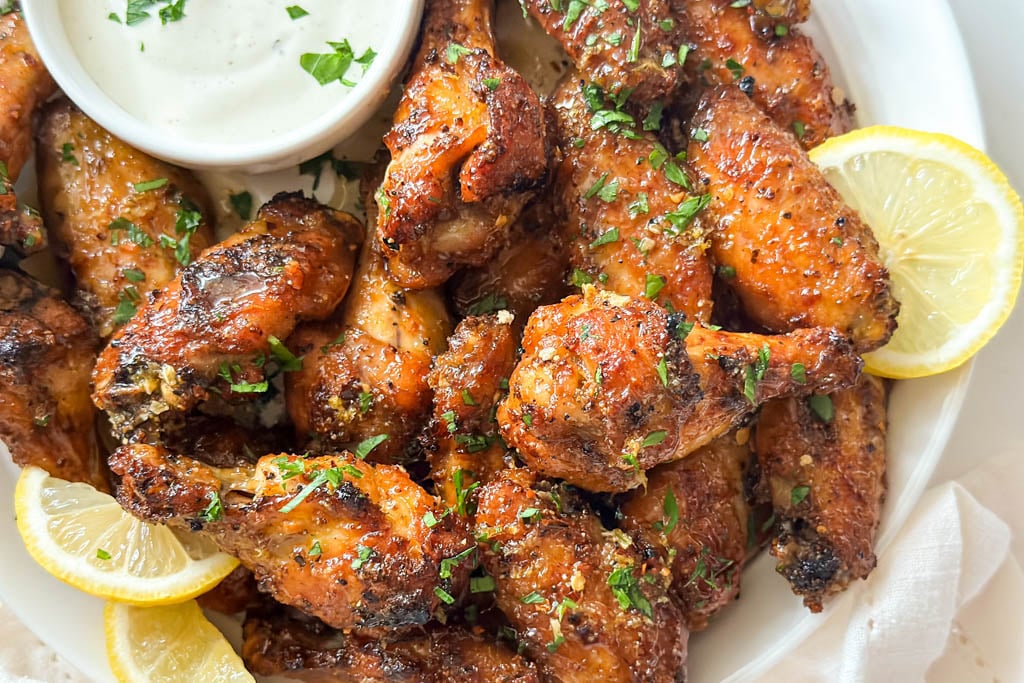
[(229, 71)]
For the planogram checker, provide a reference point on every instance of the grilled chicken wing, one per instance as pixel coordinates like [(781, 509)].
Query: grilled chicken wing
[(468, 380), (123, 221), (581, 600), (823, 470), (337, 537), (467, 146), (46, 354), (366, 375), (207, 332), (237, 592), (693, 513), (779, 67), (24, 85), (279, 641), (797, 255), (619, 46), (607, 387), (629, 217)]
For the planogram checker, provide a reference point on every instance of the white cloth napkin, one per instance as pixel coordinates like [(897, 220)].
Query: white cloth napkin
[(944, 605)]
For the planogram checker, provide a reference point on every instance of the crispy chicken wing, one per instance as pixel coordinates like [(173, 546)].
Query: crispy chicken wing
[(796, 254), (609, 386), (468, 145), (628, 214), (208, 331), (823, 470), (235, 593), (693, 513), (582, 601), (46, 355), (619, 46), (123, 221), (770, 59), (468, 380), (335, 536), (279, 641)]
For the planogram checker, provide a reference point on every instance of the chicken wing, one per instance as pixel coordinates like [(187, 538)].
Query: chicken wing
[(783, 238), (280, 641), (823, 470), (760, 49), (337, 537), (582, 601), (619, 46), (208, 332), (46, 354), (693, 513), (609, 387), (629, 210), (468, 145), (468, 381), (123, 221)]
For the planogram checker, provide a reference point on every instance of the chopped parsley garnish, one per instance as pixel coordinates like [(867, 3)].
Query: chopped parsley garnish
[(639, 205), (654, 439), (250, 387), (332, 66), (799, 494), (365, 399), (467, 398), (596, 187), (781, 30), (626, 590), (133, 232), (489, 304), (102, 554), (432, 520), (315, 168), (799, 373), (662, 369), (653, 119), (289, 468), (462, 492), (755, 373), (332, 476), (734, 67), (608, 237), (822, 407), (800, 129), (633, 54), (529, 514), (528, 419), (148, 185), (580, 278), (671, 509), (363, 554), (296, 12), (455, 51), (450, 563), (653, 286), (242, 204), (316, 549), (481, 584), (676, 175), (66, 154), (533, 598), (42, 421), (214, 511), (127, 300), (444, 596), (366, 445), (492, 83), (288, 361), (684, 214)]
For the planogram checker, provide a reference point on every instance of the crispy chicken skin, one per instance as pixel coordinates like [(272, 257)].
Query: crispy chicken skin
[(693, 514), (826, 482), (120, 242), (468, 145), (785, 74), (799, 256), (582, 601), (468, 380), (208, 330), (280, 641), (46, 353), (617, 47), (624, 219), (607, 387), (365, 375), (334, 536)]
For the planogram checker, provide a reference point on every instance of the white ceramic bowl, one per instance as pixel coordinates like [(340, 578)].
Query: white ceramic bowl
[(253, 156)]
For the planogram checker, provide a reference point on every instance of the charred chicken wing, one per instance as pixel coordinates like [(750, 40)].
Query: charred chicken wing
[(335, 536), (467, 147), (796, 254)]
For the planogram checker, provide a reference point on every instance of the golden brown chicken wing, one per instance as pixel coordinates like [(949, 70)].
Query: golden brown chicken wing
[(335, 536), (693, 514), (783, 238), (581, 600), (629, 209), (236, 593), (46, 355), (209, 331), (823, 469), (467, 146), (468, 381), (123, 221), (609, 386), (759, 49), (620, 46), (283, 641)]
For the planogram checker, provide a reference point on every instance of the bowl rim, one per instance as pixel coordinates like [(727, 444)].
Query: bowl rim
[(46, 26)]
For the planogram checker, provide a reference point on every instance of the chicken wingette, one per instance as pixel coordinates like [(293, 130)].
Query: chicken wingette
[(209, 332), (46, 355), (468, 146), (783, 238), (341, 539), (610, 386), (124, 222), (629, 211), (823, 470)]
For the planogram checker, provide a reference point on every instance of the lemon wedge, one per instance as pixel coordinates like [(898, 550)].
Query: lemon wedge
[(84, 538), (951, 231), (169, 644)]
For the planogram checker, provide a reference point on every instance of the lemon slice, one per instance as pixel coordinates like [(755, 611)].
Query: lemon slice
[(84, 538), (169, 644), (950, 229)]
